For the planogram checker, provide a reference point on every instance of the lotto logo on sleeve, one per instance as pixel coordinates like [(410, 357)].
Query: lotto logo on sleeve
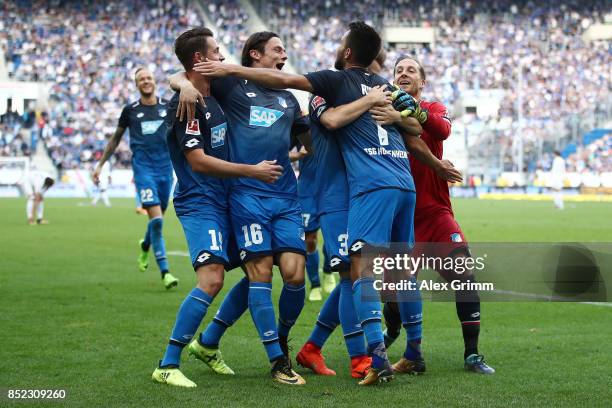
[(217, 135), (193, 127), (264, 117)]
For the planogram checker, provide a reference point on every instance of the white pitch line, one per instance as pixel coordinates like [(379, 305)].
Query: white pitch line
[(177, 253)]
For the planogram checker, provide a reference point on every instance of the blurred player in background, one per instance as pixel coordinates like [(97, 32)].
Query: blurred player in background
[(557, 173), (34, 184), (151, 164), (266, 218), (104, 180), (434, 222), (199, 152)]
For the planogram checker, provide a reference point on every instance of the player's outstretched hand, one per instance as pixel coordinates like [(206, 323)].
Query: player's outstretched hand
[(385, 115), (212, 68), (267, 171), (379, 96), (95, 176), (188, 98), (448, 172)]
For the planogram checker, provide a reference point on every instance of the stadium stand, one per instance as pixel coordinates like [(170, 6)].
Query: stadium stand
[(523, 53)]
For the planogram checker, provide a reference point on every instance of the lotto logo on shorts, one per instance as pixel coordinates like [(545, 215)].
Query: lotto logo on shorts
[(357, 246), (334, 262), (203, 257), (456, 237), (193, 127)]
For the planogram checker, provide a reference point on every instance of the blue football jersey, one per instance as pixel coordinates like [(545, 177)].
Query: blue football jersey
[(307, 185), (375, 156), (262, 121), (147, 127), (330, 173), (207, 131)]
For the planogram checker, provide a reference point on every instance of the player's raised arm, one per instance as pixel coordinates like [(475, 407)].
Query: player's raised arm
[(338, 117), (267, 170), (271, 78), (110, 148), (188, 96)]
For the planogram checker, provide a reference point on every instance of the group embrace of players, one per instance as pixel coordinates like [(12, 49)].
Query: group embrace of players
[(229, 132)]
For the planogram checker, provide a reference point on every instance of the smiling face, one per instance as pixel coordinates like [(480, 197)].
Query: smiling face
[(145, 82), (408, 77), (274, 55), (213, 52)]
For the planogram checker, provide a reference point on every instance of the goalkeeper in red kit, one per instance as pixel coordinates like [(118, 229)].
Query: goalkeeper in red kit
[(434, 221)]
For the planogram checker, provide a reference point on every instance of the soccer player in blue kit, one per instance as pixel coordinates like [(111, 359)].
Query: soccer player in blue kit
[(199, 152), (266, 218), (382, 194), (151, 165)]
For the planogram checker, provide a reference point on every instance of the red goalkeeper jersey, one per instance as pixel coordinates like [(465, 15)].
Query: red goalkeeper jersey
[(432, 191)]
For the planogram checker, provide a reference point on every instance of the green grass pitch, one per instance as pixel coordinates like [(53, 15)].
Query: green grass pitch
[(77, 315)]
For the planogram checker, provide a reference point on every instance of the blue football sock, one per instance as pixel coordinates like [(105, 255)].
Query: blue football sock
[(159, 246), (312, 268), (146, 244), (190, 315), (411, 310), (236, 302), (351, 328), (367, 305), (290, 304), (327, 320), (262, 312)]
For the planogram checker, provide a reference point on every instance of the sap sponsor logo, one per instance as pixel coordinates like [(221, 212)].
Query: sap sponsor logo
[(193, 127), (140, 115), (150, 127), (217, 135), (203, 257), (264, 117), (251, 94), (357, 246), (282, 102), (456, 237), (162, 113), (191, 143)]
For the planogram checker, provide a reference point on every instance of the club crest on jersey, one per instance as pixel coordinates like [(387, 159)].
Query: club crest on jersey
[(149, 127), (264, 117), (193, 127), (456, 237), (162, 113), (282, 102), (217, 135), (208, 115), (140, 115)]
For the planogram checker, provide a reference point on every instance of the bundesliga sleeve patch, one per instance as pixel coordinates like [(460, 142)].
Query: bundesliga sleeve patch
[(193, 127), (316, 102)]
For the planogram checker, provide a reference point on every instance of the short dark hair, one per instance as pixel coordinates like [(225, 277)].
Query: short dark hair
[(255, 42), (190, 42), (364, 43), (406, 56)]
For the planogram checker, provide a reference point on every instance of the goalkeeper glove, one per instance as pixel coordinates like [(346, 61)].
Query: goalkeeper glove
[(405, 103)]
